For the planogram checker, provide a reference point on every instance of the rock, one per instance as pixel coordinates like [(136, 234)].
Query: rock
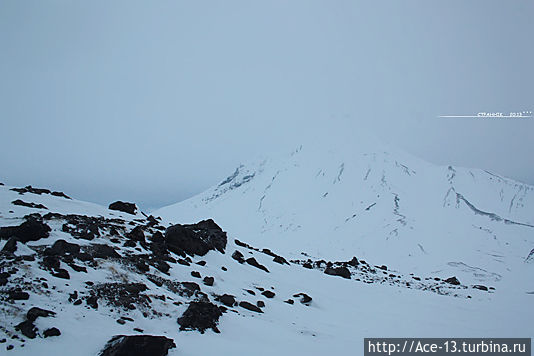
[(453, 281), (195, 274), (195, 239), (354, 262), (92, 301), (227, 299), (260, 303), (31, 230), (200, 316), (17, 294), (62, 247), (9, 347), (3, 278), (281, 260), (307, 265), (102, 251), (129, 208), (27, 329), (28, 205), (268, 294), (289, 301), (137, 234), (36, 312), (138, 345), (238, 256), (304, 298), (338, 271), (60, 194), (480, 287), (51, 332), (252, 261), (383, 267), (120, 321), (61, 273), (250, 306), (10, 246), (209, 281)]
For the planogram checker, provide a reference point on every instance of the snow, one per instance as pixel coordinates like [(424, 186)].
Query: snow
[(332, 201)]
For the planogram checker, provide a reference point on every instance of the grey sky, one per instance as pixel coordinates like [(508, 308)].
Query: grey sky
[(154, 101)]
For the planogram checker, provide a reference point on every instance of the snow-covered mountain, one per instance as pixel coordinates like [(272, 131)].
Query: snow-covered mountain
[(307, 254), (335, 200)]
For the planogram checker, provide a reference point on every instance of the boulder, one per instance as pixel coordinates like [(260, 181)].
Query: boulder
[(195, 239), (125, 207), (200, 316), (138, 345), (338, 271)]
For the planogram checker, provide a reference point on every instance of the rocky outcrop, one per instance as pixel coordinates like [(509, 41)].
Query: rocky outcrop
[(125, 207), (195, 239), (138, 345)]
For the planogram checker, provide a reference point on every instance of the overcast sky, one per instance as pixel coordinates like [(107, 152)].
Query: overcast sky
[(154, 101)]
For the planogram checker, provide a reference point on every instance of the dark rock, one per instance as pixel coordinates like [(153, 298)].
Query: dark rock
[(307, 265), (252, 261), (224, 268), (61, 273), (130, 243), (17, 294), (289, 301), (62, 247), (383, 267), (2, 341), (60, 194), (51, 332), (304, 298), (200, 316), (137, 234), (195, 239), (250, 306), (120, 321), (226, 299), (9, 347), (129, 208), (201, 263), (338, 271), (281, 260), (36, 312), (31, 230), (195, 274), (51, 262), (28, 205), (138, 345), (249, 291), (183, 262), (209, 281), (10, 246), (30, 189), (238, 256), (102, 251), (268, 294), (260, 303), (480, 287), (92, 301), (354, 262), (453, 281), (27, 329)]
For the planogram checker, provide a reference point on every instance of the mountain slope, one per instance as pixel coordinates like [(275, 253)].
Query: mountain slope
[(315, 251), (336, 200)]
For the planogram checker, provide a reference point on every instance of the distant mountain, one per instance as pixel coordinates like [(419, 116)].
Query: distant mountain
[(338, 199)]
